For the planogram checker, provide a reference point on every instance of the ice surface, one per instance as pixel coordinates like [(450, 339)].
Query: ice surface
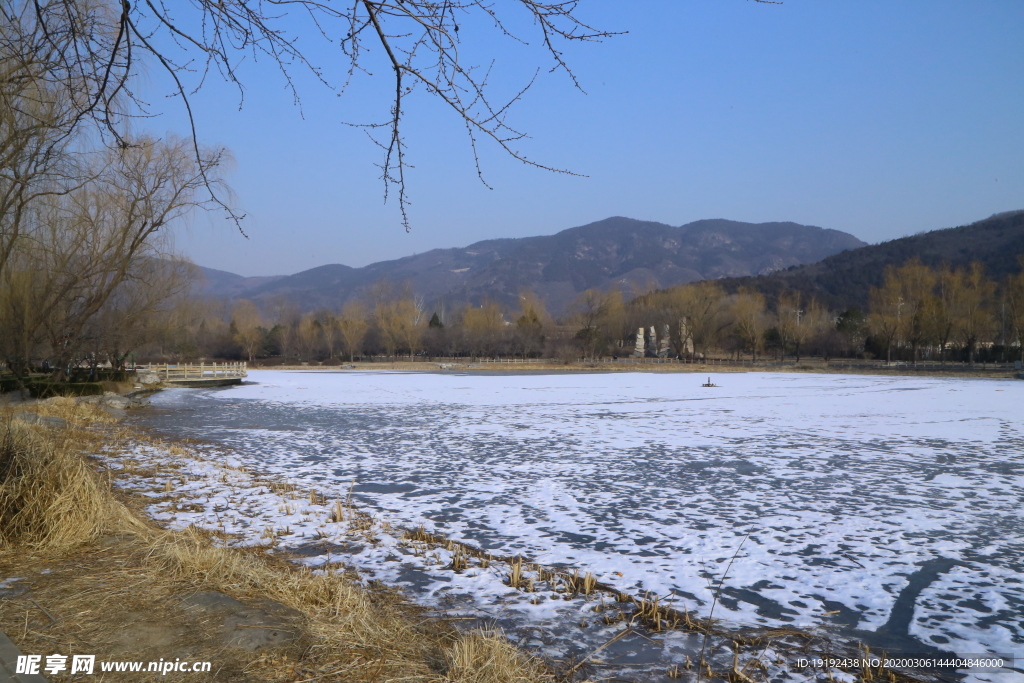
[(850, 491)]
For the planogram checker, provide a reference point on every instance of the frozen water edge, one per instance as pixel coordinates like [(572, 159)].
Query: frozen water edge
[(849, 485)]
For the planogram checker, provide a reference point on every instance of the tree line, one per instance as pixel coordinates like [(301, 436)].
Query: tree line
[(918, 313)]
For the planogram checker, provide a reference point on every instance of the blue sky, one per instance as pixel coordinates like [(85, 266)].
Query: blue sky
[(877, 118)]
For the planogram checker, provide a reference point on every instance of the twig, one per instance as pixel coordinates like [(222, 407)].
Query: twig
[(714, 602), (583, 661), (43, 610)]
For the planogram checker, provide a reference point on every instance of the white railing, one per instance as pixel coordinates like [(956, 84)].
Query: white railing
[(196, 371)]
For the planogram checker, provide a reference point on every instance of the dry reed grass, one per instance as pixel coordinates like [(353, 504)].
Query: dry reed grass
[(51, 498), (485, 656)]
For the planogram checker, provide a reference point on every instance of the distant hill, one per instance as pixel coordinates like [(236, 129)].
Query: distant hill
[(628, 253), (227, 285), (844, 279)]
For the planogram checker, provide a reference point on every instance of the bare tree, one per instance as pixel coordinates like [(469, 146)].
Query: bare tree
[(328, 323), (704, 306), (247, 327), (1014, 293), (352, 327), (788, 322), (531, 322), (410, 323), (482, 326), (885, 316), (134, 314), (192, 327), (76, 249), (597, 315), (972, 313), (749, 321), (38, 113), (308, 335), (941, 310), (916, 283)]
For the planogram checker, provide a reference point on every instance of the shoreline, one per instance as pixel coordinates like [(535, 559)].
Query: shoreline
[(440, 546), (554, 367), (123, 585)]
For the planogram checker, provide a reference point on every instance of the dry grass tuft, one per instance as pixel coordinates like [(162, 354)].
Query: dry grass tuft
[(77, 414), (51, 498), (487, 657)]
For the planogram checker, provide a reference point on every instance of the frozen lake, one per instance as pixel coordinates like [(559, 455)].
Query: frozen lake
[(885, 509)]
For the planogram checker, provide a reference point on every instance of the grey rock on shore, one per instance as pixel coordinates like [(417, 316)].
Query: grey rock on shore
[(32, 418)]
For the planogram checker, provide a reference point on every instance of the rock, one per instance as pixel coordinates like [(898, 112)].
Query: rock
[(114, 412), (51, 422), (147, 378), (144, 635), (115, 401), (247, 627)]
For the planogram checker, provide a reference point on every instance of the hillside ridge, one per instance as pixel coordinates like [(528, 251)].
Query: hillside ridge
[(844, 279), (632, 254)]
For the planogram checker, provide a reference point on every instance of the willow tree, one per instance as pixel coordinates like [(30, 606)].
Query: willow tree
[(1013, 292), (972, 312), (886, 311), (598, 317), (704, 305), (915, 283), (89, 249), (247, 327), (352, 327), (749, 320)]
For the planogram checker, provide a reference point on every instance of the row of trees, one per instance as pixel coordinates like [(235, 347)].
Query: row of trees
[(935, 309), (919, 311)]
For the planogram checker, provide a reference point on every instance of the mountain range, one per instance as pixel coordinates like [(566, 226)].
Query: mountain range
[(845, 279), (631, 254)]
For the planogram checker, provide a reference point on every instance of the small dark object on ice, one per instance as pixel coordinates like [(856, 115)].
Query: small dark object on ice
[(709, 383)]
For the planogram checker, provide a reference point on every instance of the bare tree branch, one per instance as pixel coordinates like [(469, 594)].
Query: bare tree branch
[(95, 41)]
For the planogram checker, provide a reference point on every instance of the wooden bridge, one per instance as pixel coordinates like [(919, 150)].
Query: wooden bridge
[(197, 374)]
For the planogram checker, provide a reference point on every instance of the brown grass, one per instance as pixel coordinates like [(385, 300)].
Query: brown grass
[(50, 496), (485, 656), (112, 573)]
